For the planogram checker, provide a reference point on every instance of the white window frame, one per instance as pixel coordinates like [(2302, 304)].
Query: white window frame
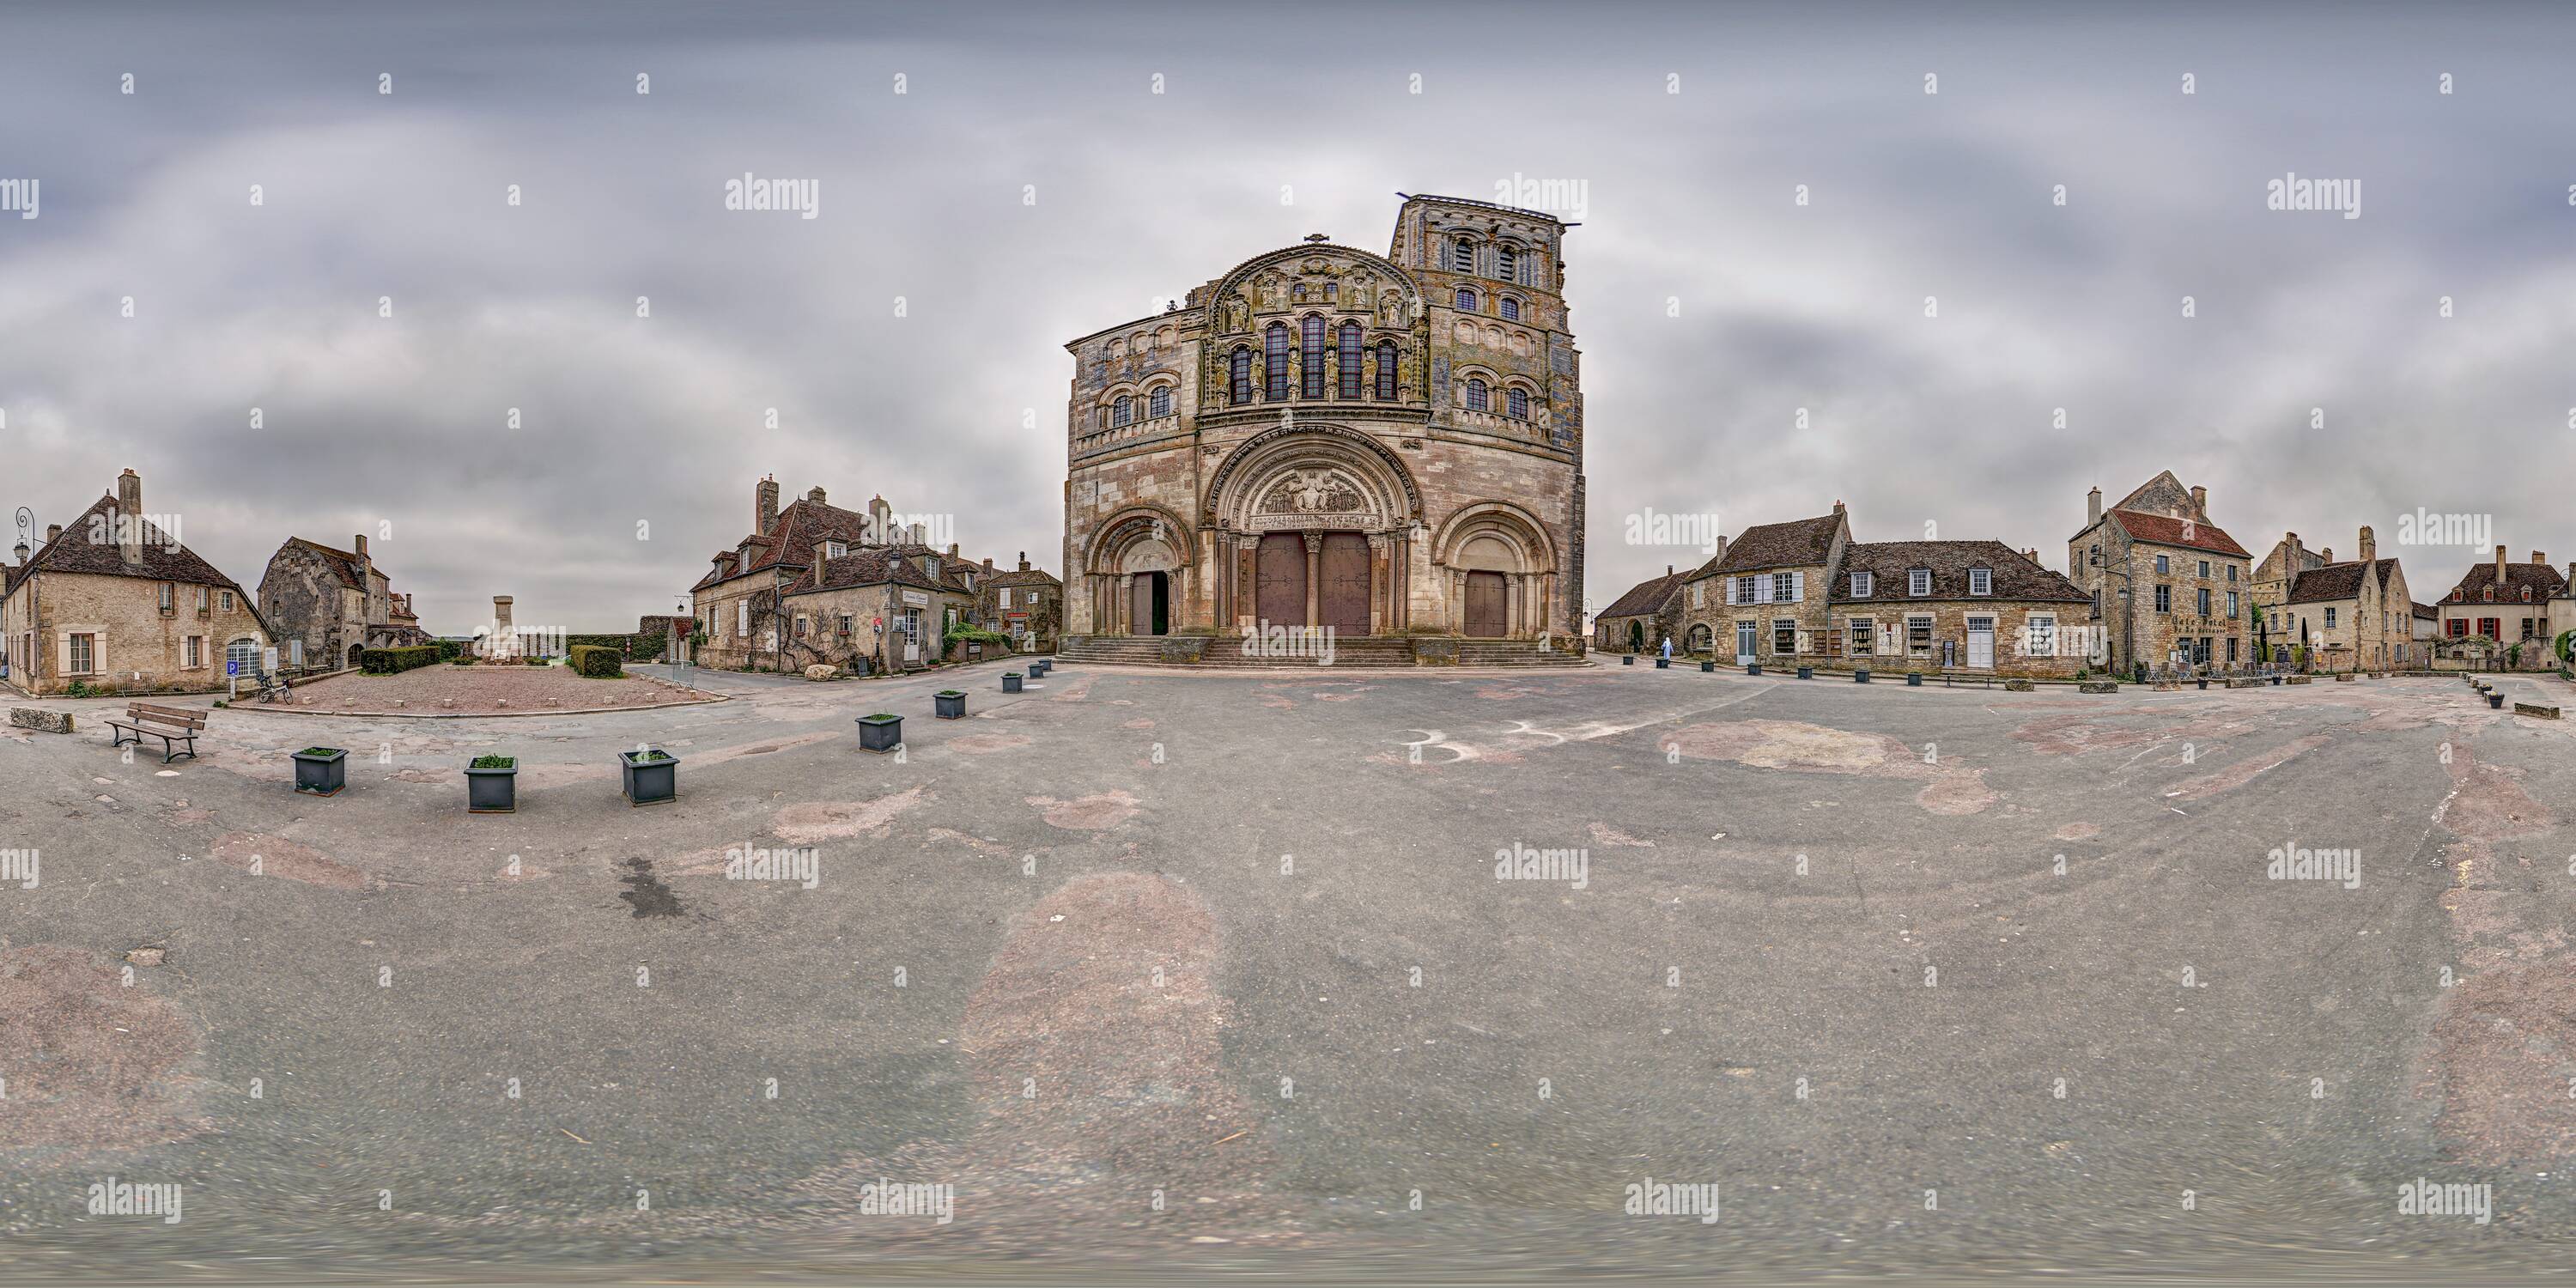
[(1930, 625), (2039, 631), (228, 601), (1981, 581), (1778, 624), (1918, 582), (76, 644), (1862, 584), (192, 652), (1864, 636), (1784, 588)]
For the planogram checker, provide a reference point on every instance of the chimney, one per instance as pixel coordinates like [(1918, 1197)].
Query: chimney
[(764, 506), (2539, 558), (360, 545), (501, 614), (822, 560), (2500, 573), (2200, 503), (1668, 570), (2369, 544), (1024, 561), (952, 549), (2326, 554), (2093, 507), (129, 509), (880, 521), (53, 533), (988, 565), (816, 496), (1838, 505)]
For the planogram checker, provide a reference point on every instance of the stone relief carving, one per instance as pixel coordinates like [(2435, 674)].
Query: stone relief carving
[(1319, 491)]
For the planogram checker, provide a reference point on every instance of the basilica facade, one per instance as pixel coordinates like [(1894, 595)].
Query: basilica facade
[(1326, 437)]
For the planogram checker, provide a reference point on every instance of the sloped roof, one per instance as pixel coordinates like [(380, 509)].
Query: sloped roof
[(1889, 562), (1017, 577), (2544, 581), (2427, 612), (2335, 581), (2164, 530), (162, 560), (873, 566), (1797, 543), (1647, 597)]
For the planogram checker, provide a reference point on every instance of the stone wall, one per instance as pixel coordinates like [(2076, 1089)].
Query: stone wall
[(139, 648)]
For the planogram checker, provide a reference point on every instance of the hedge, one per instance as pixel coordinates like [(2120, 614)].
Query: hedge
[(390, 661), (598, 661), (449, 649), (634, 648)]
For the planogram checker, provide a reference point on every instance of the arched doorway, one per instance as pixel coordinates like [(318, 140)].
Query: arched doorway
[(1500, 570), (354, 651), (1701, 641), (1314, 524), (1151, 613)]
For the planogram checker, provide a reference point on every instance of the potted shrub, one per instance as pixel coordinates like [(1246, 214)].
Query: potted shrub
[(1914, 679), (492, 785), (2495, 699), (880, 732), (1663, 664), (1627, 659), (1010, 681), (950, 704), (2202, 681), (321, 771), (650, 774)]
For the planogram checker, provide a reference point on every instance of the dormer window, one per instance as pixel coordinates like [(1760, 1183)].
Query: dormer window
[(1918, 582), (1861, 585), (1981, 581), (834, 550)]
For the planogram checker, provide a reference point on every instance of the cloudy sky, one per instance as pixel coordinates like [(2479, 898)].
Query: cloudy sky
[(2318, 385)]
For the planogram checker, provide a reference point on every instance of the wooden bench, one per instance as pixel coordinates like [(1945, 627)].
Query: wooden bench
[(172, 725), (1954, 679)]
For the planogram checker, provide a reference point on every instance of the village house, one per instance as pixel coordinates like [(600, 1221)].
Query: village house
[(115, 603), (1025, 603), (327, 604), (1954, 605), (2281, 565), (2347, 616), (1763, 596), (1642, 619), (817, 584), (2506, 614), (2168, 587)]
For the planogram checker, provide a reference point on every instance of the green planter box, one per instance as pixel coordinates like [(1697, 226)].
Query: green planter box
[(880, 732), (321, 771), (949, 704), (1010, 682), (492, 789), (651, 776)]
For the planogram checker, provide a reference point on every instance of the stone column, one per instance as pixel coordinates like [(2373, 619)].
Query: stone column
[(1381, 578), (1314, 576), (1124, 611)]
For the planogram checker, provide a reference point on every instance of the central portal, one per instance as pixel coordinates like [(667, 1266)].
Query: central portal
[(1279, 595), (1342, 602), (1314, 579)]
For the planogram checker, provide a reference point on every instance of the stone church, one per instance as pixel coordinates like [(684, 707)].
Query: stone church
[(1389, 446)]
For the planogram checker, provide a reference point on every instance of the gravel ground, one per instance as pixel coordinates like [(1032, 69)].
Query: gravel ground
[(483, 690)]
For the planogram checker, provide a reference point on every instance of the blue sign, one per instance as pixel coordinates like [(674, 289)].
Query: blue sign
[(232, 667)]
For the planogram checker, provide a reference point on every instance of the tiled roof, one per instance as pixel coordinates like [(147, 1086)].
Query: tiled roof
[(1647, 597), (1016, 577), (2427, 612), (2164, 530), (872, 566), (2544, 581), (1889, 562), (343, 562), (75, 552), (1795, 544), (2334, 581)]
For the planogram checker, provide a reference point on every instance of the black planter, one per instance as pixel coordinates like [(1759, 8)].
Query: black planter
[(1753, 668), (2276, 679), (492, 791), (1860, 676), (2496, 701), (322, 775), (1914, 679), (949, 704), (880, 732), (1039, 668), (1806, 673), (2202, 683), (1627, 659), (1663, 664), (1010, 681), (649, 782), (1706, 667)]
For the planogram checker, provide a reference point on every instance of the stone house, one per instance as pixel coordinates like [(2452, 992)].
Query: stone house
[(116, 603), (2428, 631), (1953, 605), (2500, 604), (1323, 436), (1763, 597), (1024, 603), (1641, 620), (2349, 616), (762, 604), (2281, 565), (326, 604), (2168, 587)]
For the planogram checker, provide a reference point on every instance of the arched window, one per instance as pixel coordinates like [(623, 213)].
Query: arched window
[(1386, 371), (1158, 404), (1503, 263), (1462, 256), (1274, 361), (1119, 412), (1310, 372), (1466, 299), (1350, 360), (1238, 384), (1510, 307), (1476, 400), (1517, 402)]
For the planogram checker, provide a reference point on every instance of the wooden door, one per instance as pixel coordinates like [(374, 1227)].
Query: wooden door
[(1145, 616), (1488, 605), (1279, 579), (1981, 643), (1344, 568)]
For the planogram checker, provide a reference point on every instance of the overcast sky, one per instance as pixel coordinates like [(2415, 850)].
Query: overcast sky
[(1709, 305)]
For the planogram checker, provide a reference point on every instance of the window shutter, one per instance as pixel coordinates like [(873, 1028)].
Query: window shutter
[(1729, 583), (1797, 587)]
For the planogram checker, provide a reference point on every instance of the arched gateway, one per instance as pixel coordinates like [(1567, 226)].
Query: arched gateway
[(1380, 446)]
